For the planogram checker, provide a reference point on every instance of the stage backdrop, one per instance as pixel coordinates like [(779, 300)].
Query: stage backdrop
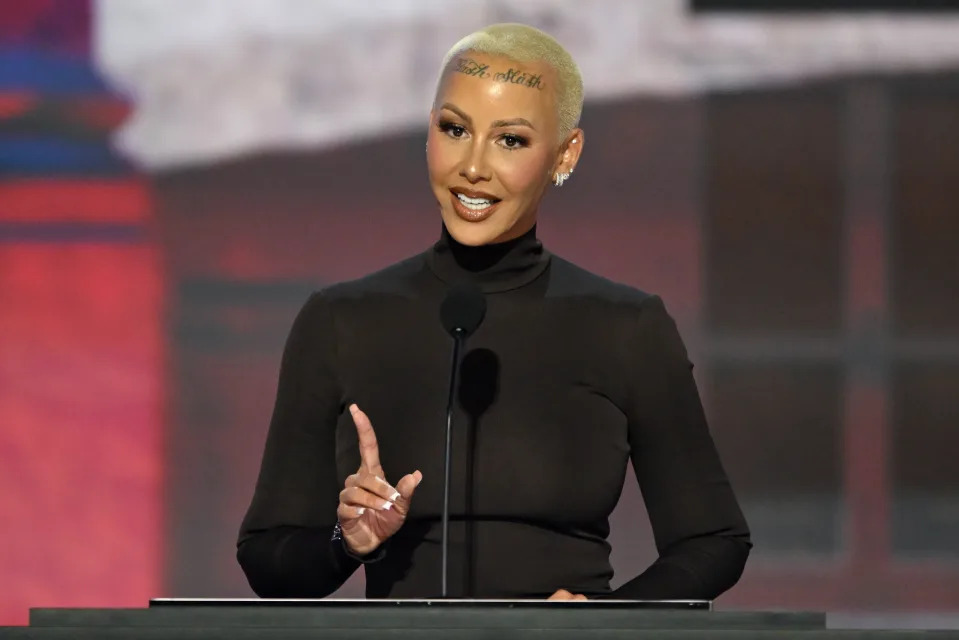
[(176, 178)]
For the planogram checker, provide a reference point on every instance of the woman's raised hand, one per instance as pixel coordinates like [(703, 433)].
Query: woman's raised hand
[(371, 509)]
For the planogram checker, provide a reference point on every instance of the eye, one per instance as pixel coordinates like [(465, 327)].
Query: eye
[(452, 129), (512, 141)]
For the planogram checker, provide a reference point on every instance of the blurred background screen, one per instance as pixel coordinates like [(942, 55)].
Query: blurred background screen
[(907, 6), (177, 176)]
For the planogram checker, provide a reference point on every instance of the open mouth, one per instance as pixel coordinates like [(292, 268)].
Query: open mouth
[(473, 208)]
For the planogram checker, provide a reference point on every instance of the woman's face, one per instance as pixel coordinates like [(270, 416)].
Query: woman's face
[(493, 146)]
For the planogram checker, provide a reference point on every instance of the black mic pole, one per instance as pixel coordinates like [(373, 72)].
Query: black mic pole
[(461, 312), (458, 336)]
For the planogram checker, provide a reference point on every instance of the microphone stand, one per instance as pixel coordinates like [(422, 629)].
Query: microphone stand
[(458, 338)]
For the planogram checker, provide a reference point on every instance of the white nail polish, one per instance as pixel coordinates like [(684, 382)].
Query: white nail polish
[(360, 511), (396, 494), (387, 506)]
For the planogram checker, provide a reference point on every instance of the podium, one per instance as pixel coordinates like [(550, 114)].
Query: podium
[(242, 619), (246, 619)]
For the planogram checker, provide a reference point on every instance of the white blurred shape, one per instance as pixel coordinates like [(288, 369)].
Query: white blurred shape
[(215, 78)]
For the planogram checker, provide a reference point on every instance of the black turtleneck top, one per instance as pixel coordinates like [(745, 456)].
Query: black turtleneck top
[(569, 377)]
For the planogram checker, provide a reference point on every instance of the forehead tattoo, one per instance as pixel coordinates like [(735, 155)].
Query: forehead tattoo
[(512, 75)]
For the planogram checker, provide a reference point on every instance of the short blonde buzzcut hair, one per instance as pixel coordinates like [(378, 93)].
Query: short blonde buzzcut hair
[(522, 43)]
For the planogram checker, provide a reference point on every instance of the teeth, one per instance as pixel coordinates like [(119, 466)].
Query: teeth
[(476, 204)]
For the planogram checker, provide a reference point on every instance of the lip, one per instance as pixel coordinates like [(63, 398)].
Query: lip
[(470, 193), (470, 215)]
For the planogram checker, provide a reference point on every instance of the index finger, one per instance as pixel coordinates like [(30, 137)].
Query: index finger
[(369, 449)]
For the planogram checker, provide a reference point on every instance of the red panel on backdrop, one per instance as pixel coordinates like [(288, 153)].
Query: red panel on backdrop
[(41, 200), (16, 104), (80, 430)]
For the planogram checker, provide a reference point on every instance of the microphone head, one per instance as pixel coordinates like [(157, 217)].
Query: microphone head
[(463, 309)]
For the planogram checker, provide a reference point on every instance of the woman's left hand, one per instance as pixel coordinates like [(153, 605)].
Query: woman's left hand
[(563, 594)]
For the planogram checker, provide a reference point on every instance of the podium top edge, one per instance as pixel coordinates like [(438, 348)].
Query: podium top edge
[(673, 605)]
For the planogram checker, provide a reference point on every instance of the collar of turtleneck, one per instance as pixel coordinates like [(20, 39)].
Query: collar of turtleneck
[(494, 267)]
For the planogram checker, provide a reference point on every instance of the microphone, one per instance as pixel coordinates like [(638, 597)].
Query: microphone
[(461, 313), (463, 310)]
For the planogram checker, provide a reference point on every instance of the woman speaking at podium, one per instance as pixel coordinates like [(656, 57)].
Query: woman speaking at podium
[(569, 377)]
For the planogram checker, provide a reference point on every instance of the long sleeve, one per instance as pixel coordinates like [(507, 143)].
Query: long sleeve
[(578, 373), (701, 535), (284, 545)]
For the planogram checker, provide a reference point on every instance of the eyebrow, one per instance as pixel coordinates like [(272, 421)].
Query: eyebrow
[(497, 123), (515, 121)]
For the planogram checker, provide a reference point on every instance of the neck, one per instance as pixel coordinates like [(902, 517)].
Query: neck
[(494, 267)]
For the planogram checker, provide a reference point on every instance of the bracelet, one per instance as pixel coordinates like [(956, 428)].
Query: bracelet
[(337, 533)]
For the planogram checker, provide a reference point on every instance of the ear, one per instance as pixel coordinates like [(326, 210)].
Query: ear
[(569, 152)]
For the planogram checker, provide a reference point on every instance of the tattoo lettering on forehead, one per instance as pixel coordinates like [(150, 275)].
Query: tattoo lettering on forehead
[(517, 76), (471, 67)]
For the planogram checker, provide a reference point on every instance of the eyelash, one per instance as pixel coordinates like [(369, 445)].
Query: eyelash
[(519, 141)]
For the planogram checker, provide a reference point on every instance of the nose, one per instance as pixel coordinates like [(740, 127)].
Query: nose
[(475, 168)]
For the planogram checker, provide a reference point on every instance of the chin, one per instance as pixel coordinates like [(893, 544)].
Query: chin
[(472, 234)]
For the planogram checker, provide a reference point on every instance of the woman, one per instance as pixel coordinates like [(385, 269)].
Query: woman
[(569, 377)]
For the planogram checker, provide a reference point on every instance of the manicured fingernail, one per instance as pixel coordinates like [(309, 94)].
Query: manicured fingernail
[(396, 494), (360, 511), (387, 506)]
